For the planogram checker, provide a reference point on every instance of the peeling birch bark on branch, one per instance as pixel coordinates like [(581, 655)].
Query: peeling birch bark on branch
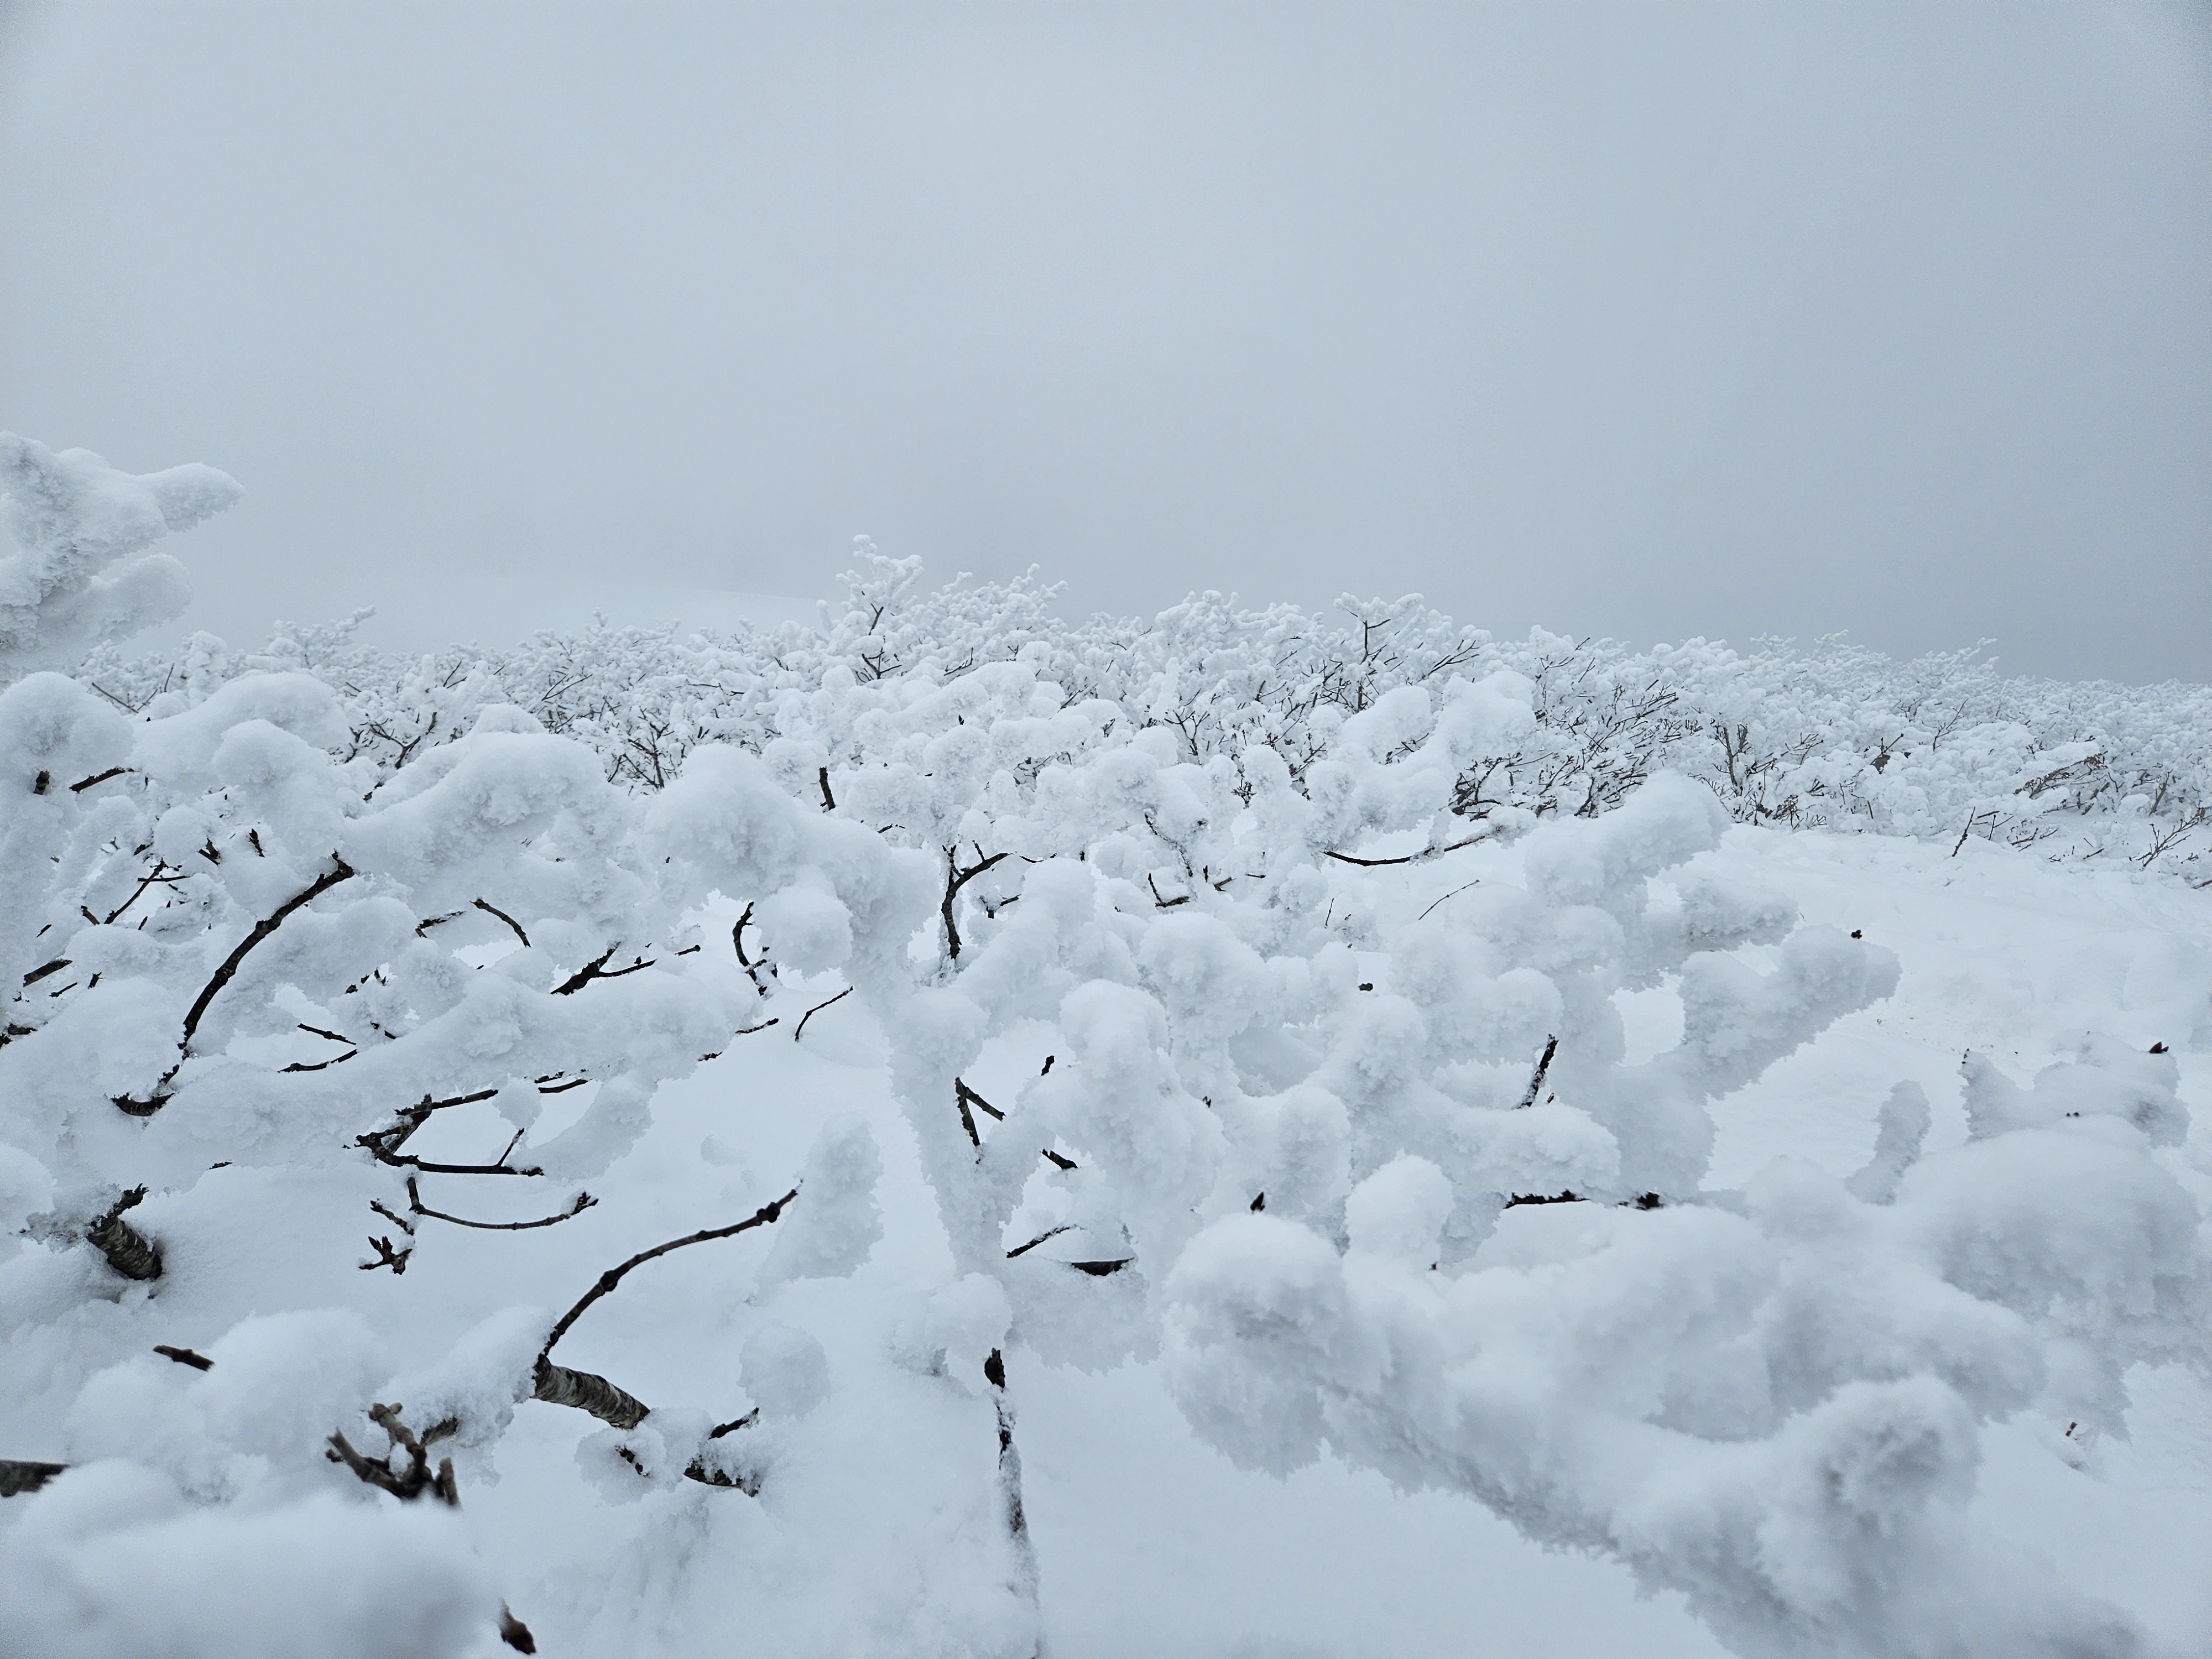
[(588, 1391), (125, 1248)]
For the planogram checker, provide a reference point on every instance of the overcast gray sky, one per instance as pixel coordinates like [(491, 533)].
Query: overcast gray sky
[(1643, 319)]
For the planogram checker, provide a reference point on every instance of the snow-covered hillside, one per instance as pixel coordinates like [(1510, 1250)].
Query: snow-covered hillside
[(947, 1132)]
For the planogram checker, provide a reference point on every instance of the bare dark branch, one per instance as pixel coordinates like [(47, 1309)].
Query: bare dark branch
[(752, 968), (514, 1632), (585, 974), (955, 879), (198, 1362), (1050, 1233), (977, 1101), (340, 871), (18, 1476), (416, 1206), (1420, 857), (384, 1145), (1165, 903), (494, 910), (386, 1257), (416, 1479), (1536, 1083), (765, 1215), (816, 1009), (322, 1065)]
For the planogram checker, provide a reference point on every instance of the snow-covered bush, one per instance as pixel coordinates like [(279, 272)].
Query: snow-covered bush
[(1833, 737), (78, 574), (1252, 987)]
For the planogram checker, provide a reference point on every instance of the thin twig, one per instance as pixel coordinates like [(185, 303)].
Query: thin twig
[(585, 974), (1536, 1083), (490, 909), (417, 1479), (1454, 893), (384, 1145), (762, 1216), (340, 871), (1410, 858), (322, 1065), (184, 1357), (738, 942), (1054, 1232), (386, 1257), (416, 1206), (962, 1098), (588, 1391), (815, 1010), (161, 874)]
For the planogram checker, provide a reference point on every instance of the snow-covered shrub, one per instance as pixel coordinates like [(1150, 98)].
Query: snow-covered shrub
[(1833, 736), (74, 568), (1252, 985), (1772, 1399)]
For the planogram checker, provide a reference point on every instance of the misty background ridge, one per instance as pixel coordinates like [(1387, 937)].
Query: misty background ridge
[(1714, 321)]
